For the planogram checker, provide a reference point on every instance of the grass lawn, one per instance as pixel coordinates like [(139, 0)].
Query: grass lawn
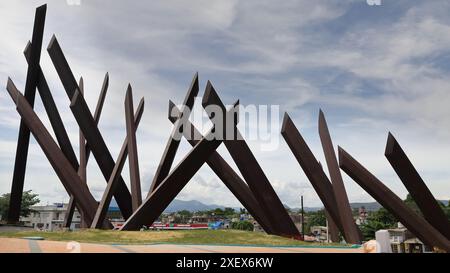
[(219, 237)]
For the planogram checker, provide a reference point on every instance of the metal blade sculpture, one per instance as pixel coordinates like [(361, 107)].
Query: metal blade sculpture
[(87, 124), (112, 182), (254, 191), (135, 180), (333, 230), (413, 222), (174, 138), (161, 197), (312, 168), (228, 176), (252, 172), (24, 132), (424, 199), (343, 206), (82, 168), (97, 113), (59, 162)]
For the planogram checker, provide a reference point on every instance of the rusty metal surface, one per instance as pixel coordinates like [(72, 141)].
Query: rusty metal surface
[(311, 167), (23, 140), (81, 172), (333, 230), (99, 108), (173, 142), (161, 197), (112, 182), (53, 114), (66, 173), (98, 111), (253, 173), (133, 162), (383, 195), (87, 124), (226, 174), (419, 191), (342, 202), (83, 162)]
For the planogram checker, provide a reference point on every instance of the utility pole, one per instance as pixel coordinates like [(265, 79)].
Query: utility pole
[(303, 218)]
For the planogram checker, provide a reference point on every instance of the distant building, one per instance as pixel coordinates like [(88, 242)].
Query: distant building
[(414, 245), (361, 219), (50, 217), (205, 218), (320, 233), (403, 241), (397, 237)]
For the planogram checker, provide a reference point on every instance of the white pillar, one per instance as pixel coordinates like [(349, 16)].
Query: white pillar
[(383, 241)]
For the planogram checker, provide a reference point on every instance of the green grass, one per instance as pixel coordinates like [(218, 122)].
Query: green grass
[(211, 237)]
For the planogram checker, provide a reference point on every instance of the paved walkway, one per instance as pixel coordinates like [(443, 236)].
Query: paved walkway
[(9, 245)]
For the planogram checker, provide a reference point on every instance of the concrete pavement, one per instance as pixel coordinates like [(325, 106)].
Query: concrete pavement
[(14, 245)]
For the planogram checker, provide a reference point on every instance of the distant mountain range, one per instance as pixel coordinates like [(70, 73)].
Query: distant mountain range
[(194, 205), (191, 205)]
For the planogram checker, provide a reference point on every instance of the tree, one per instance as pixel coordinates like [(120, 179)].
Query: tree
[(185, 213), (446, 209), (218, 212), (242, 225), (380, 219), (229, 211), (315, 218), (29, 199)]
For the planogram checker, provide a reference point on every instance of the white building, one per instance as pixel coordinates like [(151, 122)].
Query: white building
[(50, 217)]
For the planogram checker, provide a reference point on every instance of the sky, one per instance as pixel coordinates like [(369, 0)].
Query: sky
[(372, 69)]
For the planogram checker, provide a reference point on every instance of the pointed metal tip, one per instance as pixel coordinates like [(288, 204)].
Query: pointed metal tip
[(171, 109), (42, 8), (390, 144), (286, 120), (209, 91), (53, 42), (9, 83), (194, 88), (341, 155), (322, 123), (320, 112), (12, 90), (27, 47), (129, 94), (81, 85)]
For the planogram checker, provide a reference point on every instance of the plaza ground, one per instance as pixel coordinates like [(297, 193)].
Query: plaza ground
[(179, 241)]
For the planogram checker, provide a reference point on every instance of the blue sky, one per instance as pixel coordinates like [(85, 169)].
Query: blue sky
[(371, 69)]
